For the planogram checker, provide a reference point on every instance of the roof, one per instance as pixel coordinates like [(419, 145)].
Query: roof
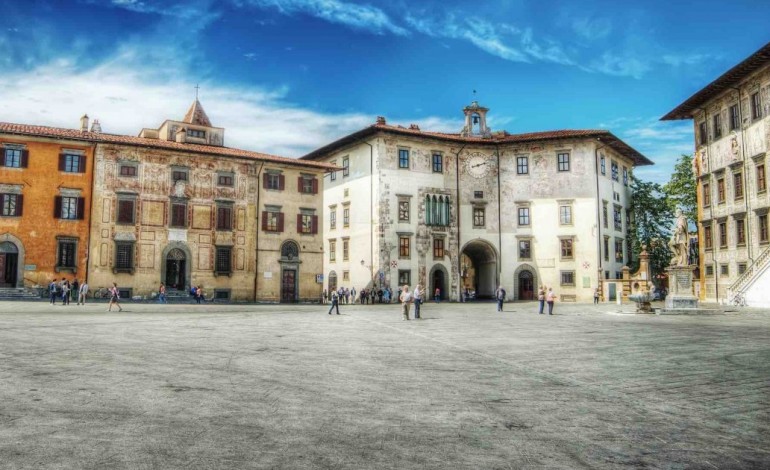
[(498, 138), (196, 115), (726, 81), (95, 137)]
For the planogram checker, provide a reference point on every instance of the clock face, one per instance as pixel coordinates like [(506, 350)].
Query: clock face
[(477, 165)]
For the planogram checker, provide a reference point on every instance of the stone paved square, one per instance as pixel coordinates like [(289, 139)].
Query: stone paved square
[(244, 386)]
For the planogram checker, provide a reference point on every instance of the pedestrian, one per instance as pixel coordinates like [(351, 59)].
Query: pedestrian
[(353, 294), (418, 293), (406, 299), (114, 296), (83, 292), (596, 296), (52, 288), (325, 296), (335, 302), (379, 295), (65, 292), (162, 294), (386, 295), (437, 295), (541, 298), (75, 289), (550, 298), (500, 296), (199, 295)]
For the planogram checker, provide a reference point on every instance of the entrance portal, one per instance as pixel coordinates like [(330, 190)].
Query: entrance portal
[(176, 267), (9, 264), (478, 264), (526, 286), (289, 285), (289, 268), (437, 281)]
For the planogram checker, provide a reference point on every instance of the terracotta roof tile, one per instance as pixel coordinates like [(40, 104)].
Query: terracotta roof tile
[(196, 115)]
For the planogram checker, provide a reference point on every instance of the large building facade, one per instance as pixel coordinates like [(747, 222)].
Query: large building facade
[(467, 212), (731, 117)]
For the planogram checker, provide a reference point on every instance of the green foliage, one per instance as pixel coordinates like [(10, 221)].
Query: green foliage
[(651, 224), (681, 188)]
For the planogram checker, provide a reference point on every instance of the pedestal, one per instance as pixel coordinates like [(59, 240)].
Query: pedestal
[(680, 294)]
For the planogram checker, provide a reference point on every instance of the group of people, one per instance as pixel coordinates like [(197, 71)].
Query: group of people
[(65, 290), (545, 295)]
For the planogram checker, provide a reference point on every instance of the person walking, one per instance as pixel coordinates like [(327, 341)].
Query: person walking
[(596, 296), (500, 296), (82, 292), (75, 289), (335, 302), (325, 296), (379, 295), (199, 295), (52, 287), (114, 296), (541, 298), (162, 294), (65, 292), (406, 299), (437, 295), (550, 298), (417, 298), (353, 294)]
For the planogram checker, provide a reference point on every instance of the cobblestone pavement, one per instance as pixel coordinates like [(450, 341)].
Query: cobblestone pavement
[(218, 386)]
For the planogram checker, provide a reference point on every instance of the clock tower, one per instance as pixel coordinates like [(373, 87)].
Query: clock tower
[(476, 121)]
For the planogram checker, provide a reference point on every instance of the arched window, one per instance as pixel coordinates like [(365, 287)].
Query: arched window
[(428, 219), (434, 209), (446, 212), (441, 210), (289, 250)]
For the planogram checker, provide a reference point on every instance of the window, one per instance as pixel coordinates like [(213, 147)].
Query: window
[(179, 175), (67, 253), (763, 228), (724, 269), (478, 194), (72, 163), (179, 214), (603, 164), (346, 275), (126, 210), (741, 268), (717, 125), (721, 190), (606, 248), (523, 215), (566, 248), (403, 247), (403, 211), (307, 223), (522, 165), (710, 270), (734, 117), (438, 163), (403, 158), (568, 278), (333, 218), (756, 107), (272, 220), (333, 174), (196, 133), (738, 185), (124, 256), (223, 263), (346, 217), (437, 210), (708, 240), (525, 250), (723, 235), (345, 249), (12, 204), (438, 248), (605, 216), (617, 218), (224, 217), (619, 251), (761, 181), (706, 194), (404, 277), (702, 135), (625, 176), (128, 170), (15, 158), (562, 160), (565, 215), (69, 208), (273, 181), (478, 217), (614, 170), (332, 250), (307, 185), (345, 166), (740, 232), (225, 180)]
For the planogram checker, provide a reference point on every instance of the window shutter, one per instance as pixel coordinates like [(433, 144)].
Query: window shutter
[(264, 180), (299, 184), (82, 164), (57, 207), (280, 221), (299, 223), (264, 220), (62, 162), (315, 222), (281, 182), (315, 185), (19, 205), (24, 158), (81, 208)]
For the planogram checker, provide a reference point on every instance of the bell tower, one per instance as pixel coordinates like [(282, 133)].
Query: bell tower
[(476, 121)]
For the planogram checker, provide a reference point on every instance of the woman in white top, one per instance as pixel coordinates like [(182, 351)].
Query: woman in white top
[(406, 299)]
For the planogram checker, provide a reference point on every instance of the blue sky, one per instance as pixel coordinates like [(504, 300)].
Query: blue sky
[(286, 76)]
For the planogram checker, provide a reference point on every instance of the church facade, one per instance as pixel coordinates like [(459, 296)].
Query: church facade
[(467, 212)]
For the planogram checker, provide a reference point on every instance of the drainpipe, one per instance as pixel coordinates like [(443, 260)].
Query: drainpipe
[(457, 211), (258, 228)]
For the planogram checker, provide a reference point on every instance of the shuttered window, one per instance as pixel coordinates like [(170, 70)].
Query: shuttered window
[(72, 163), (12, 204), (224, 217), (179, 215), (223, 261), (126, 211), (69, 208)]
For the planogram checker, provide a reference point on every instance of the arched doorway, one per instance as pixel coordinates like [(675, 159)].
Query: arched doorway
[(437, 279), (289, 272), (525, 283), (9, 264), (478, 269), (176, 267), (332, 281)]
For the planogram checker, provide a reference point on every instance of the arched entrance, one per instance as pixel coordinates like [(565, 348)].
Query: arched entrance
[(478, 269), (289, 272), (9, 264), (332, 281), (175, 266), (438, 278), (525, 282)]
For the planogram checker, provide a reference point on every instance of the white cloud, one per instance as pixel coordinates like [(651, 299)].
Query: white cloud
[(591, 28), (689, 59), (625, 65)]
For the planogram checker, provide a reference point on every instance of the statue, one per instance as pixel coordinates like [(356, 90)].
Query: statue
[(679, 242)]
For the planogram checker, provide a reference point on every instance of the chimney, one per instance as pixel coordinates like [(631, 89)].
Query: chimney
[(84, 123), (414, 127), (181, 135), (96, 128), (381, 120)]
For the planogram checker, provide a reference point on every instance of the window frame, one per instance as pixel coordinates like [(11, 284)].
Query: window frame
[(69, 207), (174, 212), (403, 210), (762, 228), (723, 238), (225, 216), (761, 178), (740, 232), (196, 133), (708, 237), (738, 191), (735, 117), (345, 166), (706, 189), (62, 253), (345, 217), (479, 215), (721, 193), (403, 159), (523, 216), (222, 180), (603, 164), (716, 125), (332, 251), (16, 158), (528, 255), (565, 214), (333, 219), (522, 165), (614, 170), (756, 106), (438, 248), (134, 167), (223, 260), (404, 247), (437, 162), (563, 161), (69, 164), (120, 210), (18, 204), (565, 276), (620, 256), (567, 248), (129, 265), (702, 133), (345, 249), (404, 277), (180, 174)]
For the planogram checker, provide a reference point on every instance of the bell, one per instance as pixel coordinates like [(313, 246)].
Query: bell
[(475, 119)]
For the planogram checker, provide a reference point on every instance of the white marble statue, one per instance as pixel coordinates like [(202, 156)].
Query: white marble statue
[(679, 241)]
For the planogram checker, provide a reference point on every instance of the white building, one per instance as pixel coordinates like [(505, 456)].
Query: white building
[(731, 116), (476, 209)]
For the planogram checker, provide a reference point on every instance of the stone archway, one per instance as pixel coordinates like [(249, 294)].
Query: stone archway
[(439, 277), (175, 266), (12, 253), (479, 268), (525, 283)]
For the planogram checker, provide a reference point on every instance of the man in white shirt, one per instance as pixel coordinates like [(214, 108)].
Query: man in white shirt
[(82, 292), (417, 299)]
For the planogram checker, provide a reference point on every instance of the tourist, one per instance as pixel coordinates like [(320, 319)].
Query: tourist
[(335, 302), (353, 294), (386, 295), (550, 298), (162, 294), (114, 296), (406, 299), (418, 293), (199, 296), (541, 298), (596, 296), (379, 295), (500, 296), (75, 289), (437, 295), (65, 292), (52, 288), (82, 292), (325, 296)]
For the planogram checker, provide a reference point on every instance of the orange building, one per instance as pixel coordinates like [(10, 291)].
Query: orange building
[(45, 197)]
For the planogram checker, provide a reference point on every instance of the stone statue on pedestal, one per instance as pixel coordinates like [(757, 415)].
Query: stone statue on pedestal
[(680, 240)]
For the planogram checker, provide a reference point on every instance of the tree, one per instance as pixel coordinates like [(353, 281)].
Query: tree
[(651, 224), (681, 188)]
